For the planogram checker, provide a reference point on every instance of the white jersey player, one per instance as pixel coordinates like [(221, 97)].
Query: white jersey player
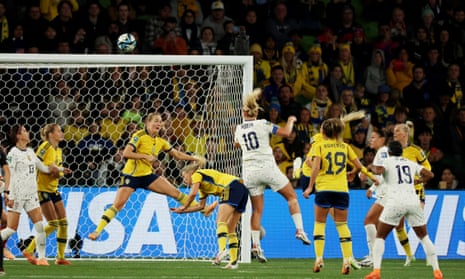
[(260, 169), (22, 190), (402, 201)]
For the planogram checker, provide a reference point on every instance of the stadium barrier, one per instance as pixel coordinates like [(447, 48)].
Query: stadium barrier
[(145, 227)]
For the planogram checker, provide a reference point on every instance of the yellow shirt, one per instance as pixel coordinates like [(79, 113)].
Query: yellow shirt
[(212, 182), (334, 157), (144, 144), (415, 153), (48, 155), (306, 169)]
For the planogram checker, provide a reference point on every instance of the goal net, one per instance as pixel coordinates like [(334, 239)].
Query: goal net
[(200, 100)]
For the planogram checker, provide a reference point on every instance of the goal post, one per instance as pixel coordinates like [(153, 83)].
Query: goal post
[(200, 100)]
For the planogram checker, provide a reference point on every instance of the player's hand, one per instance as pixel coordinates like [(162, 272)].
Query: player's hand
[(350, 176), (292, 118), (307, 192), (178, 209), (369, 194), (67, 171), (376, 181), (150, 158), (54, 171)]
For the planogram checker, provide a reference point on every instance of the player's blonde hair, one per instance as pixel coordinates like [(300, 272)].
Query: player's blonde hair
[(251, 106), (355, 115), (195, 165), (334, 127), (47, 130)]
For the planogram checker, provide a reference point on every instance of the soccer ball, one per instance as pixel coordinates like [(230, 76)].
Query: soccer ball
[(126, 42)]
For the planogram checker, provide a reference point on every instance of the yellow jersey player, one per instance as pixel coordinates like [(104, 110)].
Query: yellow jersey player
[(50, 200), (141, 152), (234, 196)]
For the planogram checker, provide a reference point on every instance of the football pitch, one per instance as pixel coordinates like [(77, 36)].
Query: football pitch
[(275, 268)]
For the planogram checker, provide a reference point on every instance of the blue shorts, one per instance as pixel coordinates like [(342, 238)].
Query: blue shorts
[(328, 199), (235, 195), (303, 182), (136, 182), (46, 197)]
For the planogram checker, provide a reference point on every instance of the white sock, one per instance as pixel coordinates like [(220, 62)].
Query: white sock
[(378, 251), (430, 252), (299, 224), (40, 239), (6, 233), (370, 230), (256, 238)]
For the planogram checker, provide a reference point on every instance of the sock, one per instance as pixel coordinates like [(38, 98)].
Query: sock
[(403, 239), (40, 236), (370, 230), (430, 252), (182, 199), (233, 247), (345, 239), (62, 237), (6, 233), (297, 218), (378, 251), (49, 228), (107, 216), (221, 235), (319, 238), (256, 239)]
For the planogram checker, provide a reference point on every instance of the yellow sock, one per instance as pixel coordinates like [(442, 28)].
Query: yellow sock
[(182, 198), (221, 235), (62, 237), (319, 238), (49, 228), (345, 239), (233, 247), (403, 239), (107, 216)]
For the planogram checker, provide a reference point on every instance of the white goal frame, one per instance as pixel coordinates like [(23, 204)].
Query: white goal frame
[(71, 60)]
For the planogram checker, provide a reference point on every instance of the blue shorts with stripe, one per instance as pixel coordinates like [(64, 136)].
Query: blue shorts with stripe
[(331, 199), (136, 182), (235, 195)]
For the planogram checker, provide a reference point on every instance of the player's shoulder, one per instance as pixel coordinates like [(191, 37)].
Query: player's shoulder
[(413, 148), (139, 134)]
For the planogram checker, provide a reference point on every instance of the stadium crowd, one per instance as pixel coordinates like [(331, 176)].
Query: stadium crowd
[(397, 60)]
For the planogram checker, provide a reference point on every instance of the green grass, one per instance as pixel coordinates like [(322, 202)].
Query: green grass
[(275, 268)]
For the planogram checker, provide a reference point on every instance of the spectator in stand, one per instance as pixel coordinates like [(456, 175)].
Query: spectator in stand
[(435, 71), (287, 102), (262, 69), (280, 24), (34, 24), (253, 26), (295, 76), (271, 86), (216, 19), (345, 60), (347, 101), (429, 120), (385, 42), (446, 109), (50, 9), (195, 142), (304, 127), (296, 37), (361, 52), (398, 25), (154, 25), (347, 25), (114, 7), (112, 126), (453, 84), (207, 41), (335, 82), (375, 74), (190, 30), (449, 50), (435, 155), (310, 15), (319, 106), (109, 170), (16, 43), (358, 142), (271, 52), (457, 26), (274, 116), (169, 42), (419, 46), (315, 69), (362, 100), (179, 7), (458, 142), (64, 24), (125, 23), (399, 73), (418, 93), (334, 12), (95, 24), (328, 44), (228, 42), (430, 25), (448, 180), (383, 114)]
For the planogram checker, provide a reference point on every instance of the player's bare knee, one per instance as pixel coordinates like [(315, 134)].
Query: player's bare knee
[(292, 202)]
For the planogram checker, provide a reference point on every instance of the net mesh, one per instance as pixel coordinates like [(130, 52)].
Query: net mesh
[(200, 105)]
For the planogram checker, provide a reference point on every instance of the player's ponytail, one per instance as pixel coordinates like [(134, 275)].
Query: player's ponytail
[(355, 115), (251, 106), (47, 130)]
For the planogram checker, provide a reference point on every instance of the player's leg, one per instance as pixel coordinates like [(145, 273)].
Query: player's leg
[(35, 215), (257, 202), (319, 232), (122, 196), (233, 242), (225, 211), (345, 236), (294, 208), (402, 235), (370, 222), (62, 233), (6, 253), (48, 210), (383, 230)]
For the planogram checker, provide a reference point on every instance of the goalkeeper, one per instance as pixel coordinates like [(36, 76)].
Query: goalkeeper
[(141, 152), (234, 196)]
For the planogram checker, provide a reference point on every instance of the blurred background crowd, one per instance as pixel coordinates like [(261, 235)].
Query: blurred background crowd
[(400, 61)]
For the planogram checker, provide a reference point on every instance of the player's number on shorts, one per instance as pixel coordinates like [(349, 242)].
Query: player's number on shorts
[(336, 163), (251, 141), (404, 175)]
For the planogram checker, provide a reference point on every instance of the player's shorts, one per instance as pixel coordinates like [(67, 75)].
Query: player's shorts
[(330, 199), (26, 204), (381, 201), (303, 182), (392, 214), (235, 195), (46, 197), (136, 182), (257, 177), (420, 190)]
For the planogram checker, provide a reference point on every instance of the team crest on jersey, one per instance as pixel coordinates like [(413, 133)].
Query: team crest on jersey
[(384, 155), (42, 152), (136, 139)]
